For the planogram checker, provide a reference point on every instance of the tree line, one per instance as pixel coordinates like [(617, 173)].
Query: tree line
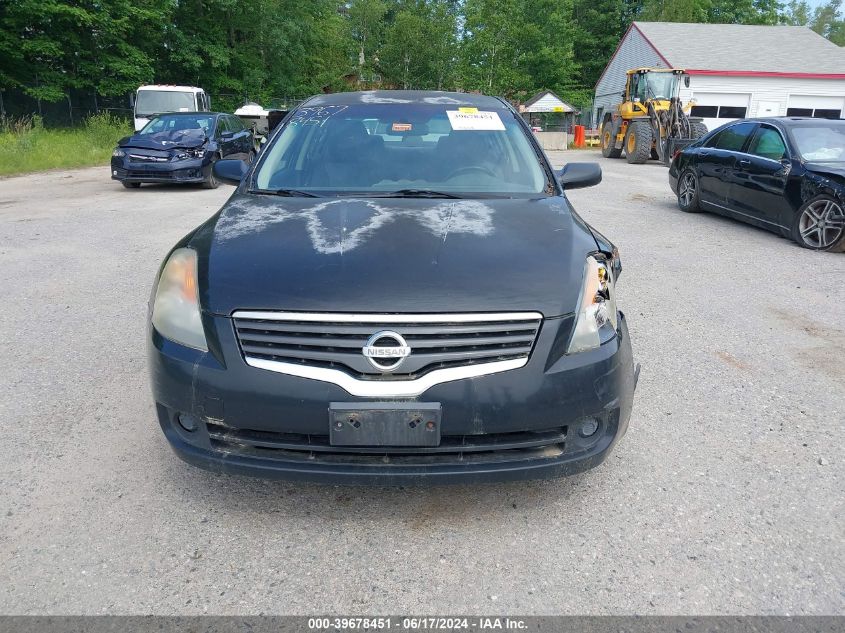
[(266, 48)]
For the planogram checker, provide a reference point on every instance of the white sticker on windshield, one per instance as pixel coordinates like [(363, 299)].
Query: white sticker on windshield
[(474, 120)]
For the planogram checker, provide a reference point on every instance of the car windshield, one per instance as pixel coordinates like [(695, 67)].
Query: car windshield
[(420, 149), (179, 123), (150, 102), (822, 141)]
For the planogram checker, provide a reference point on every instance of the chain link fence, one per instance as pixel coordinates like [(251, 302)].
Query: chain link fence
[(72, 110), (78, 105)]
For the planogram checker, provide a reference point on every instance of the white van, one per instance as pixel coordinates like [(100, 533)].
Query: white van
[(150, 100)]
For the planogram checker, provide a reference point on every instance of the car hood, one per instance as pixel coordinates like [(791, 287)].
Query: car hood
[(173, 139), (392, 255), (831, 168)]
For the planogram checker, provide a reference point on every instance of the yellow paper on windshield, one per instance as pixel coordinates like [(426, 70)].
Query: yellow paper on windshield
[(478, 121)]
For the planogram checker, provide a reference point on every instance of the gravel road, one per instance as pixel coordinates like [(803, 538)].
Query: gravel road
[(726, 496)]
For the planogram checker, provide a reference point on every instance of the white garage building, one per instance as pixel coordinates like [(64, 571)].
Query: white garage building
[(735, 70)]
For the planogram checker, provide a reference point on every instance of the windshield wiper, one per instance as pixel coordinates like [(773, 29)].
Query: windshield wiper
[(290, 193), (417, 193)]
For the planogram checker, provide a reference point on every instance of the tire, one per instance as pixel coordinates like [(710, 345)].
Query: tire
[(608, 141), (130, 185), (688, 200), (820, 224), (210, 181), (698, 129), (638, 142)]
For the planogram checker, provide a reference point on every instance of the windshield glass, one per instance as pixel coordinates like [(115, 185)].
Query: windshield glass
[(822, 141), (660, 85), (180, 122), (386, 148), (150, 102)]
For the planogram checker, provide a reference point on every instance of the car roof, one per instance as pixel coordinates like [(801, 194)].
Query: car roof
[(405, 97), (790, 121), (200, 113), (192, 113)]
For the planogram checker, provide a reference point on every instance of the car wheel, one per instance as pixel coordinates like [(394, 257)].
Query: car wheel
[(688, 199), (820, 225), (210, 181), (638, 142), (131, 185), (608, 141)]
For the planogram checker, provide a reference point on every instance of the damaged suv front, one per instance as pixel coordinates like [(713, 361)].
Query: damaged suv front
[(171, 148)]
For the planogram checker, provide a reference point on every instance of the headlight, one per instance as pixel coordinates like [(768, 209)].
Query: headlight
[(596, 318), (118, 153), (189, 153), (176, 308)]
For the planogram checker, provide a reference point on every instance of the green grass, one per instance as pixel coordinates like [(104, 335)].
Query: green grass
[(26, 146)]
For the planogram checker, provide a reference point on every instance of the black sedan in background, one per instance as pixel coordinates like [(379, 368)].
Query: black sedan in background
[(786, 175), (397, 292), (181, 147)]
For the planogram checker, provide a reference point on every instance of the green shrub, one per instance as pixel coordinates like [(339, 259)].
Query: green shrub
[(26, 146)]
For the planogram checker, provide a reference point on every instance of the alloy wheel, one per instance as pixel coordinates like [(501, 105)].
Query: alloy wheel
[(686, 192), (821, 224)]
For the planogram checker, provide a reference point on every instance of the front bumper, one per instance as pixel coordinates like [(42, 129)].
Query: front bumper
[(673, 179), (520, 424), (183, 171)]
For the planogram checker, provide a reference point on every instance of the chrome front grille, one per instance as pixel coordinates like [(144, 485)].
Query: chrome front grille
[(282, 341), (150, 156)]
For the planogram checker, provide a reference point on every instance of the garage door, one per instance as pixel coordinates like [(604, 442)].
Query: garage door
[(821, 107), (717, 108)]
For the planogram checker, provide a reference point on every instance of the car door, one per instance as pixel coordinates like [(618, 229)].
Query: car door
[(226, 138), (759, 182), (717, 160), (243, 137)]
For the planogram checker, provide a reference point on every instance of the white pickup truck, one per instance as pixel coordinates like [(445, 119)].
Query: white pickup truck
[(158, 99)]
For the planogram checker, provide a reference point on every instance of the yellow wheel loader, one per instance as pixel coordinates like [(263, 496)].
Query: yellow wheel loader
[(650, 122)]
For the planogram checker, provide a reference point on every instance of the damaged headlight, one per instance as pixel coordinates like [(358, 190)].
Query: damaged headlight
[(118, 153), (176, 308), (596, 317), (188, 154)]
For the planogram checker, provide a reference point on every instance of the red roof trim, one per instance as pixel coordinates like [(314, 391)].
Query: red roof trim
[(619, 45), (764, 73)]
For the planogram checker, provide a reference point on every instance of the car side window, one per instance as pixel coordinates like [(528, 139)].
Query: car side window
[(733, 138), (768, 143), (235, 124), (222, 126)]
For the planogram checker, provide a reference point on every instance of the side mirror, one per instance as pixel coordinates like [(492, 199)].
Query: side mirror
[(578, 175), (227, 134), (231, 171), (131, 99)]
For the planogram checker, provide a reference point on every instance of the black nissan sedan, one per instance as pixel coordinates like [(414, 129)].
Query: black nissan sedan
[(786, 175), (181, 147), (398, 291)]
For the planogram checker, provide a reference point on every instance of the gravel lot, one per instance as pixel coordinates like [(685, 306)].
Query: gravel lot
[(724, 497)]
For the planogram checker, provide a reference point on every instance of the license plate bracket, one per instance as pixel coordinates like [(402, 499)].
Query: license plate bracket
[(384, 424)]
